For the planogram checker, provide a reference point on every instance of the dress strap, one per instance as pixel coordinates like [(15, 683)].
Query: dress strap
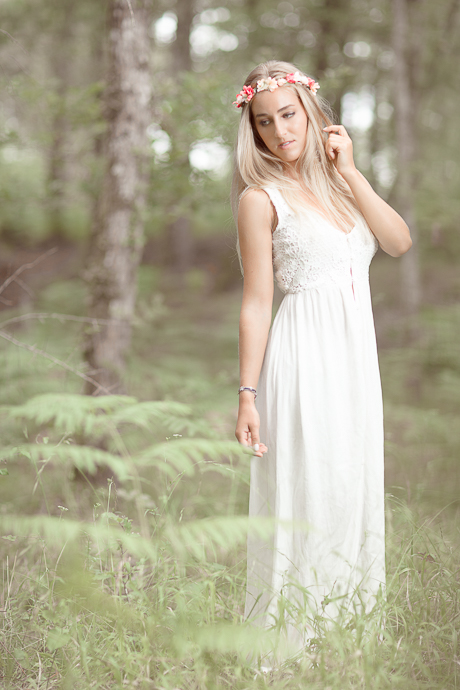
[(283, 210)]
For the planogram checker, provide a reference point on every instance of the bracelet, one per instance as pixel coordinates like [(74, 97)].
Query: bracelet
[(247, 388)]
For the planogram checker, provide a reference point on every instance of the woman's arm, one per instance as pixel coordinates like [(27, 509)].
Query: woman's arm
[(389, 228), (255, 217)]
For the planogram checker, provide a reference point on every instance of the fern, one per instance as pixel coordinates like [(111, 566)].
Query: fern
[(84, 458), (183, 455), (69, 413), (66, 532), (72, 414)]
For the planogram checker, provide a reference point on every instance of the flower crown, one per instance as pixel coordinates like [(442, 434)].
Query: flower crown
[(270, 84)]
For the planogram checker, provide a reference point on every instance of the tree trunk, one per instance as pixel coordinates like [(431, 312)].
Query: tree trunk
[(179, 237), (118, 235), (61, 63), (181, 47), (333, 17), (405, 139)]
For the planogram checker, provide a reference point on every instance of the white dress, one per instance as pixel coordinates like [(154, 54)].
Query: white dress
[(320, 405)]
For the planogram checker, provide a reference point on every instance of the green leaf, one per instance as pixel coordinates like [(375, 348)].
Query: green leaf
[(85, 458), (57, 638)]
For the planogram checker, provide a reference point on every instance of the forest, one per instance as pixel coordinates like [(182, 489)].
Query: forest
[(123, 492)]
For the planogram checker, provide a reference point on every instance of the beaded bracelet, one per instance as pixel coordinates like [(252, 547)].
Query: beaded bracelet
[(247, 388)]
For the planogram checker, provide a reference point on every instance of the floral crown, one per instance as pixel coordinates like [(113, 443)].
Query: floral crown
[(270, 84)]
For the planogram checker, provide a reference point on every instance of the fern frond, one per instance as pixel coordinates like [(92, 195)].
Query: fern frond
[(225, 532), (60, 532), (69, 413), (85, 458), (182, 455), (245, 640), (141, 414)]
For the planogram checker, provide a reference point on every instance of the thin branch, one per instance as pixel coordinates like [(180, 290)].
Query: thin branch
[(15, 40), (60, 317), (25, 267), (24, 286), (131, 11), (55, 360)]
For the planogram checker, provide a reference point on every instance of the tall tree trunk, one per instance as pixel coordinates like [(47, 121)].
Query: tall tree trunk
[(333, 17), (118, 235), (61, 63), (180, 244), (405, 138)]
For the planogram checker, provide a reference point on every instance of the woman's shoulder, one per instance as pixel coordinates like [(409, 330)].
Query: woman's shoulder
[(256, 199), (255, 204), (255, 195)]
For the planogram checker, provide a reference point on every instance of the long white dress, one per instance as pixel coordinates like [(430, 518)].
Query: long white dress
[(320, 405)]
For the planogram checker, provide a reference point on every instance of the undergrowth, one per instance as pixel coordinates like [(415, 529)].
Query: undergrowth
[(124, 522), (148, 591)]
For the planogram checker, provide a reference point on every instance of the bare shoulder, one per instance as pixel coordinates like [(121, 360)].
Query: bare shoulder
[(255, 209)]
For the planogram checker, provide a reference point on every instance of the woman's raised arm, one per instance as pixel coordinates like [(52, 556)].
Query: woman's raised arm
[(387, 225), (255, 222)]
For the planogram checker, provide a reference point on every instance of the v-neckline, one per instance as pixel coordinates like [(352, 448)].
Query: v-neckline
[(318, 213)]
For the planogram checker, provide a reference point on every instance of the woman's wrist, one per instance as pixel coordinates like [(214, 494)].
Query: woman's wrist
[(246, 397), (351, 175), (247, 389)]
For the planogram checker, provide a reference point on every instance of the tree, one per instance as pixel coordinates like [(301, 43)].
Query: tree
[(405, 139), (179, 231), (117, 234)]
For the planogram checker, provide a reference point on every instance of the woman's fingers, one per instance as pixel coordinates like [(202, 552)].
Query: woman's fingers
[(336, 129), (339, 147), (251, 439), (248, 430)]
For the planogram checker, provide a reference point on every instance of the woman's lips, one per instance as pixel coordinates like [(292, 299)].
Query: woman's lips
[(285, 144)]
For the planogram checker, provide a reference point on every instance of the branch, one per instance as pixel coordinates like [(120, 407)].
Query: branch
[(131, 11), (24, 267), (24, 286), (59, 317), (15, 40), (31, 348)]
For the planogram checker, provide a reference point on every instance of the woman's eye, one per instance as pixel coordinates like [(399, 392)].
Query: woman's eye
[(288, 114), (264, 122)]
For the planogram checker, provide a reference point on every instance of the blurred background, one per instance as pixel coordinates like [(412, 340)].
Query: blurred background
[(123, 493), (116, 135)]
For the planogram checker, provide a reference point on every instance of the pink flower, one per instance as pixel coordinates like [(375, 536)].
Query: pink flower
[(249, 92), (268, 84)]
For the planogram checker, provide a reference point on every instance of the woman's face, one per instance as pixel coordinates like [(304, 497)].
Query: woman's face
[(281, 122)]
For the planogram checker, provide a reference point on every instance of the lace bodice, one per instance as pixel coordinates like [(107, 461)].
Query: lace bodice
[(310, 252)]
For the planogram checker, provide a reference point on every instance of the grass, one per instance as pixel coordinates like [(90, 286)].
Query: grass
[(134, 576)]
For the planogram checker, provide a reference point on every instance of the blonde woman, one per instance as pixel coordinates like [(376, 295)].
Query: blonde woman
[(307, 216)]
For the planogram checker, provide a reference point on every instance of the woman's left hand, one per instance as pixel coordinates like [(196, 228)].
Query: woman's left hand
[(339, 148)]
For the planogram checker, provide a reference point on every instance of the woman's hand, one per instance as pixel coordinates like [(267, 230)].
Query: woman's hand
[(387, 225), (339, 148), (248, 424)]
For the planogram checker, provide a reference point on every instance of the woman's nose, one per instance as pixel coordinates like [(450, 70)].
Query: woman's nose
[(280, 128)]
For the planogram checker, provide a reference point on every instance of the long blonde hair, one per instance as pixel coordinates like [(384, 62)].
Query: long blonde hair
[(255, 167)]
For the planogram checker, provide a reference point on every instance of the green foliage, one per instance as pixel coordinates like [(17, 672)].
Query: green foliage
[(155, 601), (124, 521)]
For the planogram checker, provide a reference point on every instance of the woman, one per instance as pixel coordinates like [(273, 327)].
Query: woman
[(306, 213)]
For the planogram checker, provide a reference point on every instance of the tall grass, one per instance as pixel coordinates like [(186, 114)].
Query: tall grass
[(124, 522), (148, 591)]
